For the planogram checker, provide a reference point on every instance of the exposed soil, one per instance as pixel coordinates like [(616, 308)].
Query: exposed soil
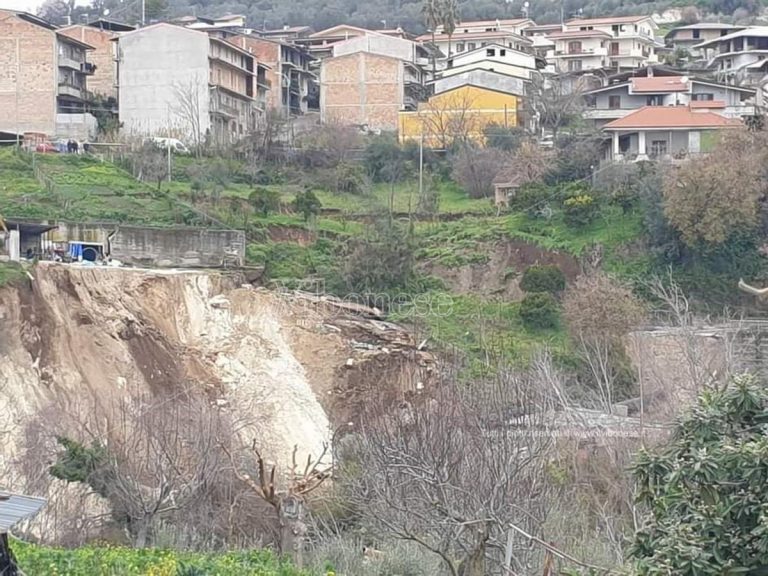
[(500, 276)]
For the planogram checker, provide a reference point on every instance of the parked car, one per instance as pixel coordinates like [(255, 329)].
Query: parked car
[(176, 146)]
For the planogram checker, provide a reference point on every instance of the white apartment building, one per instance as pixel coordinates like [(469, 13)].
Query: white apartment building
[(740, 57), (469, 36), (493, 58), (624, 42)]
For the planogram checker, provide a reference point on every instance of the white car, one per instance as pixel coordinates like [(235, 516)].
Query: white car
[(176, 146)]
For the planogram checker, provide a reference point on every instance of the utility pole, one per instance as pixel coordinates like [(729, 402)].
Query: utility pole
[(421, 162), (143, 13)]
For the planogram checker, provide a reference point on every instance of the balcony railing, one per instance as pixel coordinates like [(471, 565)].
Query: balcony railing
[(67, 62), (69, 89), (87, 68)]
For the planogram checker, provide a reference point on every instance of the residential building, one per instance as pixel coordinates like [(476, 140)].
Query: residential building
[(369, 79), (459, 113), (43, 79), (495, 58), (740, 57), (655, 132), (623, 42), (621, 99), (468, 36), (689, 37), (320, 44), (288, 73), (285, 34), (178, 81), (100, 34)]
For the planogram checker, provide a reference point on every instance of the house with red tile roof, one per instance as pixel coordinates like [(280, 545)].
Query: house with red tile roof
[(655, 132), (620, 99)]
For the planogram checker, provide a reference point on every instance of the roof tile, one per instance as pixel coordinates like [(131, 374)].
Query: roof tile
[(671, 117)]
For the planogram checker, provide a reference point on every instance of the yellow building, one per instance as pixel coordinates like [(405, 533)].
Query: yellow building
[(458, 114)]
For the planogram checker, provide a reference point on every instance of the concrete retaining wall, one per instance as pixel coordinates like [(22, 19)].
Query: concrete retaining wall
[(177, 247)]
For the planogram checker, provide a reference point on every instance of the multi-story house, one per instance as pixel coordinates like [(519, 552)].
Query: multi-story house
[(369, 79), (618, 43), (740, 57), (469, 36), (621, 99), (43, 75), (494, 57), (174, 80), (100, 34), (288, 73), (320, 44), (689, 37)]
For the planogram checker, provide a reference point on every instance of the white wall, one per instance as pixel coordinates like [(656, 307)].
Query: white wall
[(156, 64), (384, 45)]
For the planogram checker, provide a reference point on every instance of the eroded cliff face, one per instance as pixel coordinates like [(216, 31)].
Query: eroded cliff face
[(291, 369)]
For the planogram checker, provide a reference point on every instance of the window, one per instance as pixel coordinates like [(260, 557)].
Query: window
[(471, 46), (704, 96), (696, 33), (574, 65), (502, 52), (655, 100), (490, 52), (614, 102), (460, 47), (658, 147), (574, 47)]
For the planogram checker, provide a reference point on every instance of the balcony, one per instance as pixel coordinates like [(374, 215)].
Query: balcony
[(578, 53), (69, 89), (225, 110), (264, 84), (87, 68), (67, 62)]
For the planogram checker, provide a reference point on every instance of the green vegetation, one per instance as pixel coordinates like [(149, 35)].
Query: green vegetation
[(543, 279), (539, 310), (10, 273), (703, 493), (115, 561)]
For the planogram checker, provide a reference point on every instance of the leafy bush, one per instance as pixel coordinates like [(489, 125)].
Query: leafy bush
[(580, 210), (307, 204), (264, 200), (90, 561), (503, 137), (344, 178), (539, 310), (385, 160), (546, 278), (703, 494)]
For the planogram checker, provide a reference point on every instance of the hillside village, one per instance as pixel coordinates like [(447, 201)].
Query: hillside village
[(481, 300)]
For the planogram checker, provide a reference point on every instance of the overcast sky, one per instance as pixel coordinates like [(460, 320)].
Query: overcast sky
[(26, 5)]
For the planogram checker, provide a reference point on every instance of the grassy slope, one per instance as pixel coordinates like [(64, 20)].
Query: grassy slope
[(88, 189), (83, 188)]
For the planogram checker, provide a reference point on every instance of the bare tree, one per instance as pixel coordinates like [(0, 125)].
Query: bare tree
[(449, 119), (555, 100), (475, 169), (601, 312), (149, 459), (189, 109), (453, 472), (289, 502)]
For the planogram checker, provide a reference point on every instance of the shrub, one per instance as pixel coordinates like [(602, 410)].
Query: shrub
[(503, 137), (547, 278), (264, 200), (385, 160), (345, 178), (474, 169), (580, 210), (539, 310), (307, 204)]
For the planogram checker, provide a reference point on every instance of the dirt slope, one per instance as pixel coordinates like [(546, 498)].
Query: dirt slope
[(289, 367)]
